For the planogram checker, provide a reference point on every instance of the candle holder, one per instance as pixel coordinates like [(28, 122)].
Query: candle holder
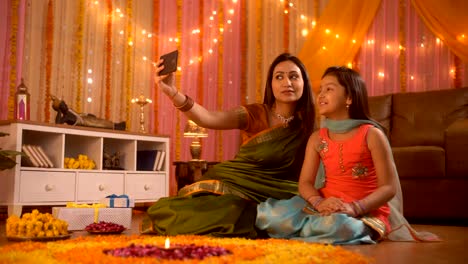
[(142, 101)]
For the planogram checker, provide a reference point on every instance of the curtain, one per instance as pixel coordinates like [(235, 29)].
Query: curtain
[(448, 20), (336, 39)]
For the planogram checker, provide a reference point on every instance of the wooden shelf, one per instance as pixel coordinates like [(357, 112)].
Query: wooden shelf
[(24, 185)]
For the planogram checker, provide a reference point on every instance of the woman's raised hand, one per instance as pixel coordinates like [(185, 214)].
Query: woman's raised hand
[(166, 83)]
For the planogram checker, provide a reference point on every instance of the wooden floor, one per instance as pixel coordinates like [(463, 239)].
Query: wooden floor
[(454, 248)]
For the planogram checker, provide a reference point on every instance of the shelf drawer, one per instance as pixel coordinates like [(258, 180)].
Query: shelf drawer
[(145, 186), (47, 186), (92, 186)]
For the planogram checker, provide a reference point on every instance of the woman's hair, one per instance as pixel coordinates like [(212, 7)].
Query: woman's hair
[(355, 88), (305, 105)]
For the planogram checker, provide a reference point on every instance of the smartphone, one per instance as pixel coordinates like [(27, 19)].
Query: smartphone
[(170, 62)]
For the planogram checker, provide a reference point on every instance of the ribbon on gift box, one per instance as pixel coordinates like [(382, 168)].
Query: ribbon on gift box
[(112, 197), (96, 207)]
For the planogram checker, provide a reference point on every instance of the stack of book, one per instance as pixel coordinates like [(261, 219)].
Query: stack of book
[(36, 157), (150, 160)]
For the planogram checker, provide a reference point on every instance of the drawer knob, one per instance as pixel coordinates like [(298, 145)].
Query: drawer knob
[(101, 187), (49, 188), (146, 187)]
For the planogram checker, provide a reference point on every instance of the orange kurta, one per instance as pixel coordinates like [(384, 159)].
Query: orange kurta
[(349, 169)]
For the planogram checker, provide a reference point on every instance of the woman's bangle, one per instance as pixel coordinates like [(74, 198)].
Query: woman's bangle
[(174, 95), (186, 105)]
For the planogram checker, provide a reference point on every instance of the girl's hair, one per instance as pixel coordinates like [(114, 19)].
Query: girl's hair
[(305, 106), (355, 88)]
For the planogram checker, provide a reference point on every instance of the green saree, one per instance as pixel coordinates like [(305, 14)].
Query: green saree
[(224, 202)]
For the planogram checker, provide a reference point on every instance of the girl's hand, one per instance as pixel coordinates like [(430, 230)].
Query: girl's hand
[(349, 210), (330, 205)]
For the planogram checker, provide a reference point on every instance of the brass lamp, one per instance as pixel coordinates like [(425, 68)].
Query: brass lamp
[(196, 132)]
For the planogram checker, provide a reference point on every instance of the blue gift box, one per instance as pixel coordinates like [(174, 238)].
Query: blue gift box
[(114, 201)]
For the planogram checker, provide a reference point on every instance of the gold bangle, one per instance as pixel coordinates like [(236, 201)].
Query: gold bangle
[(186, 105)]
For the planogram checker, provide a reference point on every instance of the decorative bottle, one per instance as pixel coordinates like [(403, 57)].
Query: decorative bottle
[(22, 102)]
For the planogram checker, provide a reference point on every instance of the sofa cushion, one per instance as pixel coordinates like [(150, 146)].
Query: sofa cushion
[(420, 119), (419, 161), (380, 109)]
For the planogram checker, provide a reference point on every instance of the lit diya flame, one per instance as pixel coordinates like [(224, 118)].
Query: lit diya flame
[(167, 244)]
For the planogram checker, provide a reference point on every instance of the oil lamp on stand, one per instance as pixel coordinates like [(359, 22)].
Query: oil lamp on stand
[(142, 101)]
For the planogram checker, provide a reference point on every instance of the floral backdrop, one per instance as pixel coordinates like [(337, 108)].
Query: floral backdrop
[(99, 54)]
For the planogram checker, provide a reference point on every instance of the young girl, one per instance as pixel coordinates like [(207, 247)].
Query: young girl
[(351, 204)]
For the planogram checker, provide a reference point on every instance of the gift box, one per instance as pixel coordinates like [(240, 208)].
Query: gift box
[(116, 201), (79, 218)]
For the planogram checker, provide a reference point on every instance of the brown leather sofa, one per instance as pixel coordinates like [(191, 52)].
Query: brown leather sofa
[(428, 132)]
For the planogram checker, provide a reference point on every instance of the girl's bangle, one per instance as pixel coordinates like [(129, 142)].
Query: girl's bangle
[(317, 202)]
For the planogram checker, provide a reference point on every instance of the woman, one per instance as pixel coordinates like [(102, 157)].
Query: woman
[(223, 202)]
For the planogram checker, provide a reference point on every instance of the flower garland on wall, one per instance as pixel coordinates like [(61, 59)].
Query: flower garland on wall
[(402, 37), (219, 101), (259, 52), (155, 122), (178, 139), (49, 50), (108, 65), (13, 43), (243, 60), (128, 64), (79, 54)]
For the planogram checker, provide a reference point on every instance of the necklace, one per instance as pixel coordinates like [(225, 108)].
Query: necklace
[(284, 120)]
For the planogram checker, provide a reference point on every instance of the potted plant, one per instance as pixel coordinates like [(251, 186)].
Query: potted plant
[(6, 160)]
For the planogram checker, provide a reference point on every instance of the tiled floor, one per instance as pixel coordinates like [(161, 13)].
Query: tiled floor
[(454, 248)]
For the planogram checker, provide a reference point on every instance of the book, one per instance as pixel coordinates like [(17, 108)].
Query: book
[(44, 156), (33, 156), (145, 160), (29, 159), (156, 160), (161, 160), (38, 156)]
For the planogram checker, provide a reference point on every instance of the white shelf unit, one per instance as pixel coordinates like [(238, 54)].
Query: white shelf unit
[(29, 186)]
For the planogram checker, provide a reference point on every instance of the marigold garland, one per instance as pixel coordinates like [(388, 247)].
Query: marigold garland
[(243, 58), (108, 59), (155, 58), (244, 250), (178, 141), (259, 52), (128, 63), (79, 54), (49, 50), (402, 36), (13, 43), (220, 97)]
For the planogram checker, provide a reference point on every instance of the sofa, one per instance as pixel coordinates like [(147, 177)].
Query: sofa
[(428, 133)]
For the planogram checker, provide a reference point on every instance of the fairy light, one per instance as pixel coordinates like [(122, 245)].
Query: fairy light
[(422, 45), (387, 46), (381, 74), (337, 36), (304, 32), (353, 41), (121, 32), (231, 11), (90, 80), (412, 77), (327, 31), (314, 23), (89, 99), (350, 65), (286, 11), (438, 41)]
